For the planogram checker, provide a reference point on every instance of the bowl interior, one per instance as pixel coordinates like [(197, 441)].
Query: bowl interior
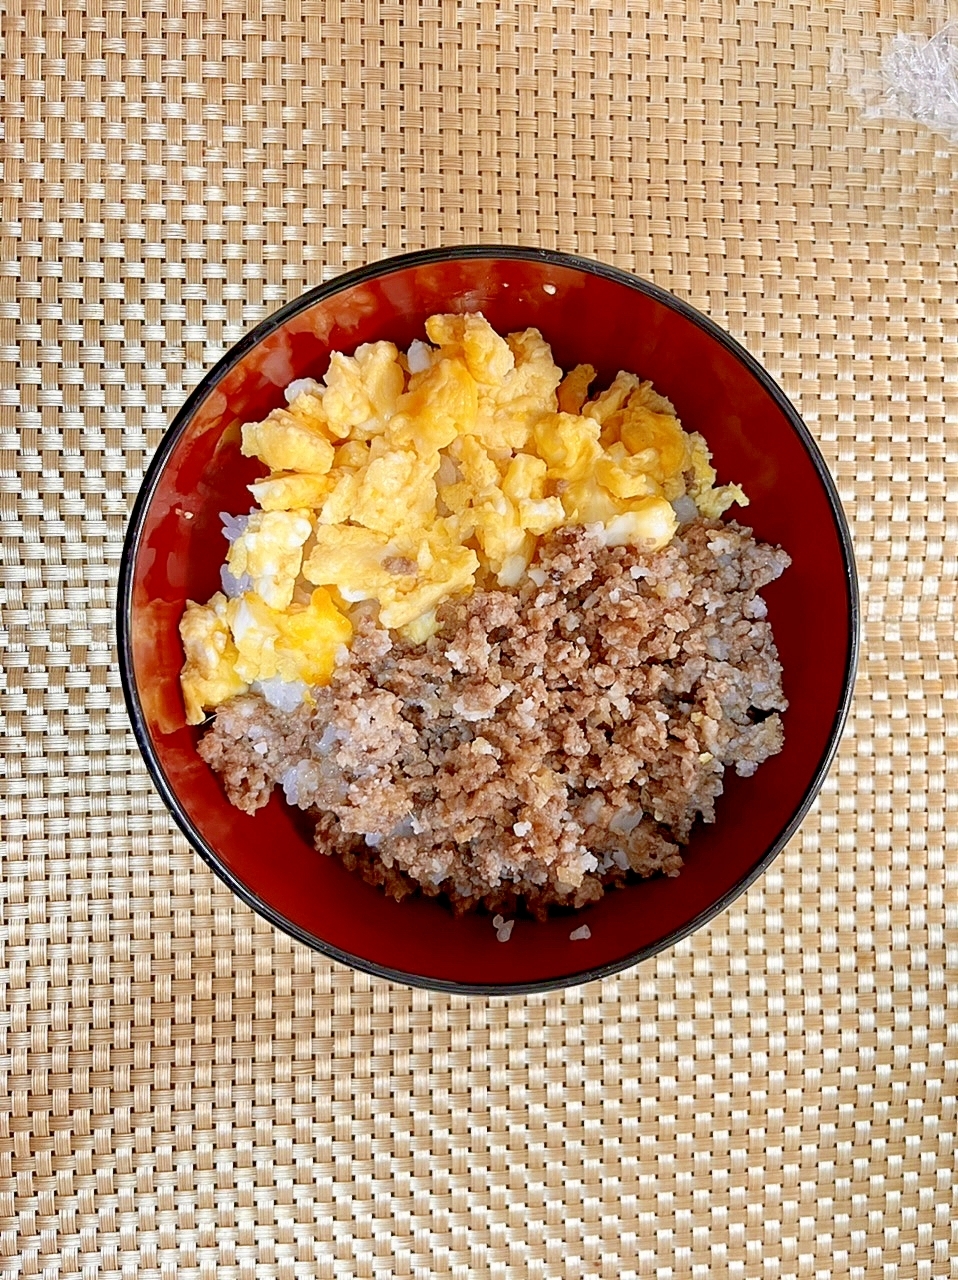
[(586, 315)]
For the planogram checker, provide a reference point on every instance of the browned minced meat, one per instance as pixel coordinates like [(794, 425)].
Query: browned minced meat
[(548, 741)]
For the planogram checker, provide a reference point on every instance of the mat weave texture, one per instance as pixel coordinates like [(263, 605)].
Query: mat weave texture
[(185, 1092)]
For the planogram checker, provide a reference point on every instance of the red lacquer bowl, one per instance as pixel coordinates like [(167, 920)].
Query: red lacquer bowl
[(588, 312)]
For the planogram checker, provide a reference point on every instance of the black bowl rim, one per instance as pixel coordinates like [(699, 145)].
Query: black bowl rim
[(376, 270)]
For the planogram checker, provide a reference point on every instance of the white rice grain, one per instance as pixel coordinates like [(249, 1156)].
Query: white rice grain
[(419, 357), (331, 735), (626, 820), (233, 526), (300, 782), (233, 586), (284, 695), (302, 386), (685, 509)]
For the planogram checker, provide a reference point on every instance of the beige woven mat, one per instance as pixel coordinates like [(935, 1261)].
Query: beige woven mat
[(185, 1092)]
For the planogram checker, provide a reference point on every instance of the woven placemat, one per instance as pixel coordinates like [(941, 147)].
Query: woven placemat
[(185, 1092)]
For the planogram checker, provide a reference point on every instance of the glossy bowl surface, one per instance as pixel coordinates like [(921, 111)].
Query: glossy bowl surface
[(588, 312)]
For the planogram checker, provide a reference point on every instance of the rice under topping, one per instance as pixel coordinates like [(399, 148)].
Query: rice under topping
[(549, 741)]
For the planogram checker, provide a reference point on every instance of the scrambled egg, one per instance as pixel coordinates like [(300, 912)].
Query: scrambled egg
[(209, 674), (403, 479), (299, 643)]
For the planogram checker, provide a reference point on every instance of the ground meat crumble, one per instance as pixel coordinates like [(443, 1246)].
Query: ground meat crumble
[(549, 742)]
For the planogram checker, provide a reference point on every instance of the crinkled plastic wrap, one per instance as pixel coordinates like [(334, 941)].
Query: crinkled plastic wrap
[(916, 80)]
